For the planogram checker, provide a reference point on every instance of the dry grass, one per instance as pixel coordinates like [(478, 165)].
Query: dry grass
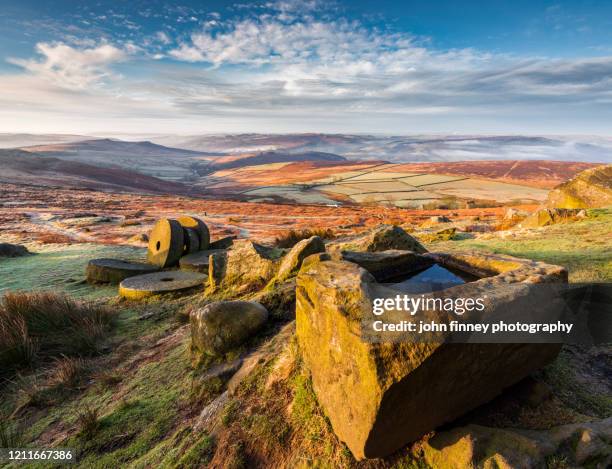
[(47, 325), (68, 371), (55, 238), (292, 237), (88, 422)]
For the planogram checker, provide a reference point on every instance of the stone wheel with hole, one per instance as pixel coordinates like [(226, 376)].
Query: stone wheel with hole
[(198, 262), (166, 243), (200, 227), (115, 270), (191, 240), (160, 283)]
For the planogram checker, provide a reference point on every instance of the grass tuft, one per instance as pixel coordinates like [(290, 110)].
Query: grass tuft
[(88, 423), (292, 237), (48, 325)]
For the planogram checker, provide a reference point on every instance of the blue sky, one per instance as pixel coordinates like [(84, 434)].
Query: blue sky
[(399, 67)]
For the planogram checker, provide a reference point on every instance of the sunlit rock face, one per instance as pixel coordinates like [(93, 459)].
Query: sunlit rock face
[(381, 395)]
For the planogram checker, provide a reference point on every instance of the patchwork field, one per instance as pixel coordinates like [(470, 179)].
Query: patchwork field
[(379, 183)]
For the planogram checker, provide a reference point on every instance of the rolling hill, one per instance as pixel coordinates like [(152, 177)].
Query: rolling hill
[(22, 167), (143, 157), (272, 157)]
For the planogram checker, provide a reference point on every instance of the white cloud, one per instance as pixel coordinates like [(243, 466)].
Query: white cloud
[(73, 67)]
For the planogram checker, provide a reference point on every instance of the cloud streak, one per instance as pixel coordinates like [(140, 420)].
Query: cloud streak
[(290, 61)]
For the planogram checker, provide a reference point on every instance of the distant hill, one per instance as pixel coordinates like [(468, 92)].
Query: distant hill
[(545, 174), (143, 157), (16, 140), (588, 189), (22, 167), (272, 157)]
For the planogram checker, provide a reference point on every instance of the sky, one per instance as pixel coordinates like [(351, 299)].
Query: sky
[(385, 67)]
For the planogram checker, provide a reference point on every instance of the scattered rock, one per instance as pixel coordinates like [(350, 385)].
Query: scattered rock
[(549, 216), (199, 261), (223, 372), (588, 189), (115, 270), (13, 250), (386, 265), (139, 238), (441, 235), (404, 389), (579, 444), (222, 243), (223, 325), (245, 265), (435, 220), (159, 283), (293, 260), (387, 237)]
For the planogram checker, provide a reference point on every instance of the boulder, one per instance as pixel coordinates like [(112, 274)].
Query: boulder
[(387, 237), (582, 444), (13, 250), (386, 265), (381, 395), (588, 189), (291, 263), (222, 243), (245, 265), (549, 216), (221, 326)]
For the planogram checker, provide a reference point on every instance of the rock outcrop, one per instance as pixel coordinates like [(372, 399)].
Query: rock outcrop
[(13, 250), (387, 237), (549, 216), (223, 325), (579, 445), (381, 395), (589, 189), (245, 265), (291, 263)]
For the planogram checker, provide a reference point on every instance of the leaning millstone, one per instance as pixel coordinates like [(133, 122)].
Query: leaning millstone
[(198, 261), (385, 265), (222, 243), (292, 261), (191, 240), (380, 395), (200, 227), (166, 243), (387, 237), (221, 326), (160, 283), (13, 250), (115, 270), (245, 265)]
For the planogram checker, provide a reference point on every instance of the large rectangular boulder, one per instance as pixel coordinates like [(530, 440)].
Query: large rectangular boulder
[(379, 396)]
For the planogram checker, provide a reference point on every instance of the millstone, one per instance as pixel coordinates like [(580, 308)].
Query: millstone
[(165, 243), (191, 240), (115, 270), (198, 262), (199, 226), (159, 283)]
